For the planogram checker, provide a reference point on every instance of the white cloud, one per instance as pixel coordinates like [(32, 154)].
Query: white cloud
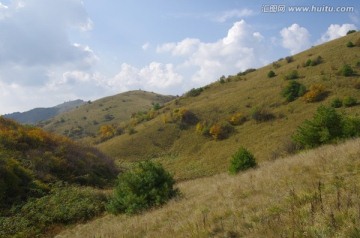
[(335, 31), (204, 62), (235, 13), (295, 38), (156, 76)]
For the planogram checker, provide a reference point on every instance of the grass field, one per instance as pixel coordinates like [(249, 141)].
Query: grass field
[(312, 194)]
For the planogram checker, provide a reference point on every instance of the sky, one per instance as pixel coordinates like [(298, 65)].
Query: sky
[(61, 50)]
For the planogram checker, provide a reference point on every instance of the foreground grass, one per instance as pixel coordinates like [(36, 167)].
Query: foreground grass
[(312, 194)]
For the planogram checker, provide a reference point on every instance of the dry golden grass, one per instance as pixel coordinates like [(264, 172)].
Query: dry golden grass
[(312, 194)]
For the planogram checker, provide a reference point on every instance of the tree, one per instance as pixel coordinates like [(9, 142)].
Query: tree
[(145, 186), (242, 160), (325, 127)]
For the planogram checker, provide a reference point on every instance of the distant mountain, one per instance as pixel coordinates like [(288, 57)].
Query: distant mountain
[(41, 114)]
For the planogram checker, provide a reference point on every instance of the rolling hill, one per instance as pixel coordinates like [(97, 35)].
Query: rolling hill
[(85, 122), (37, 115), (263, 120)]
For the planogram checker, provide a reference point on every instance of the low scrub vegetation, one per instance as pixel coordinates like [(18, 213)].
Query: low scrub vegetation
[(146, 185), (63, 205), (292, 75), (316, 93), (194, 92), (261, 114), (346, 70), (221, 130), (242, 160), (293, 90), (327, 126)]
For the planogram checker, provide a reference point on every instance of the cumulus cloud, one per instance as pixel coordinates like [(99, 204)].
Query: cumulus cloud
[(335, 31), (156, 76), (295, 38), (37, 58), (240, 49)]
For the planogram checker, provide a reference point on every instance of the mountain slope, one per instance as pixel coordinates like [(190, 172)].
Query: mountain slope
[(41, 114), (312, 194), (269, 123), (85, 121)]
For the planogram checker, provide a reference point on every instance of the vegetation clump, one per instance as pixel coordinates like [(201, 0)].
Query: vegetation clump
[(349, 101), (271, 74), (336, 103), (261, 114), (316, 93), (146, 185), (194, 92), (326, 126), (350, 44), (293, 90), (221, 130), (346, 70), (242, 160), (292, 75)]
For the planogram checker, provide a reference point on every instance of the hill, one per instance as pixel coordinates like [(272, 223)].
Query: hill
[(39, 171), (312, 194), (195, 135), (86, 121), (37, 115)]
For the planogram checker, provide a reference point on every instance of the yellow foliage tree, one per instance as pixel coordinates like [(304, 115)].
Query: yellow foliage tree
[(315, 94)]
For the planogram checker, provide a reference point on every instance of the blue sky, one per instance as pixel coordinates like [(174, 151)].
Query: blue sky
[(61, 50)]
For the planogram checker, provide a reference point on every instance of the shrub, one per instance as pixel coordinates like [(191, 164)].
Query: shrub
[(145, 186), (262, 115), (336, 103), (292, 75), (325, 127), (242, 160), (237, 119), (346, 70), (185, 116), (293, 90), (246, 72), (351, 127), (271, 74), (221, 130), (350, 44), (194, 92), (202, 128), (64, 205), (289, 59), (350, 32), (316, 93), (349, 101)]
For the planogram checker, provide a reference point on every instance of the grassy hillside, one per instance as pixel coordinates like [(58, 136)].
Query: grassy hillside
[(312, 194), (263, 119), (85, 121), (39, 171)]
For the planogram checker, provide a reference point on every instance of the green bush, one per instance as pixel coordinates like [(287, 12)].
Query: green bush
[(293, 90), (292, 75), (326, 126), (242, 160), (194, 92), (349, 101), (350, 44), (145, 186), (350, 32), (271, 74), (289, 59), (336, 103), (346, 70), (64, 205)]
